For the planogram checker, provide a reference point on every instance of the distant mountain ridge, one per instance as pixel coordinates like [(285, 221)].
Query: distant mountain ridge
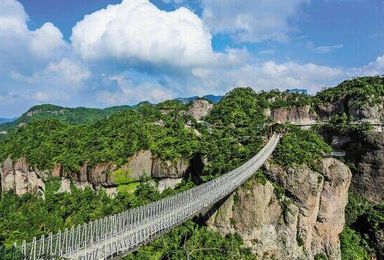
[(6, 120), (78, 115), (212, 98)]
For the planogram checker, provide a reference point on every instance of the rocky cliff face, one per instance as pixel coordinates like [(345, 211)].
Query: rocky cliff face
[(199, 109), (298, 115), (304, 222), (366, 112), (21, 178)]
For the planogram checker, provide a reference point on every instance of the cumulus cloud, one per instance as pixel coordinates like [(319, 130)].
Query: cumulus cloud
[(252, 20), (22, 49), (138, 30)]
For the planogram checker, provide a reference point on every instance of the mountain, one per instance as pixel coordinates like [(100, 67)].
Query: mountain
[(302, 205), (78, 115)]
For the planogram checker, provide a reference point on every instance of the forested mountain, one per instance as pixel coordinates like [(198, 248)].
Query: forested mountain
[(79, 115), (69, 166)]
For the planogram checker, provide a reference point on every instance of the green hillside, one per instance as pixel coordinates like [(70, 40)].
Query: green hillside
[(79, 115)]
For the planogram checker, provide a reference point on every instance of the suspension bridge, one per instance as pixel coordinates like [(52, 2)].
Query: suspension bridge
[(120, 234)]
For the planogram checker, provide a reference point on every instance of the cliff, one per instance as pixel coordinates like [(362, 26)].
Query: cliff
[(298, 215), (21, 178)]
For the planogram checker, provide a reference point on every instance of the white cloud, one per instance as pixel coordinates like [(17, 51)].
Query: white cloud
[(68, 71), (270, 75), (372, 68), (252, 20), (23, 49), (12, 17), (138, 30), (323, 48), (46, 41)]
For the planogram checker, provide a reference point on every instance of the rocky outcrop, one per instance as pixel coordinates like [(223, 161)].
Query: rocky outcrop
[(199, 109), (265, 224), (298, 115), (65, 186), (304, 222), (370, 112), (21, 178)]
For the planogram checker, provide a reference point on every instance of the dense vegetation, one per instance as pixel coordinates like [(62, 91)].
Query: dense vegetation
[(114, 139), (299, 147), (193, 242), (236, 127), (278, 99), (363, 90), (364, 222)]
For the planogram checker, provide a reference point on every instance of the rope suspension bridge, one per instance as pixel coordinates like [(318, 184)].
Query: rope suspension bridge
[(123, 233)]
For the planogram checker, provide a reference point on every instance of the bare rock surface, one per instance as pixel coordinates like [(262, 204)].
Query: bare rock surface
[(20, 178), (299, 115), (139, 165), (199, 109), (65, 186)]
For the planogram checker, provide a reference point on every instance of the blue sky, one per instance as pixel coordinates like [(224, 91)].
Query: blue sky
[(83, 53)]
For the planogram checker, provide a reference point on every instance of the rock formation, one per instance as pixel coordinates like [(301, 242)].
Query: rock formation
[(298, 115), (199, 109), (304, 222), (21, 178)]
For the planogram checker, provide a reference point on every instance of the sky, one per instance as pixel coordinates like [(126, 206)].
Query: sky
[(103, 53)]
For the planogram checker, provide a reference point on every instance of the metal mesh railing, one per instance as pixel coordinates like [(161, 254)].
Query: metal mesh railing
[(126, 231)]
